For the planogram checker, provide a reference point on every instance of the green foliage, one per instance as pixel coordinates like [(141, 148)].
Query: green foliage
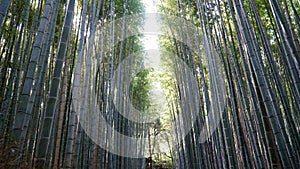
[(139, 89)]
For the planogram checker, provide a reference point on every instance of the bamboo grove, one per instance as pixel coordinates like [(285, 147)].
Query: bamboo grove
[(55, 66)]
